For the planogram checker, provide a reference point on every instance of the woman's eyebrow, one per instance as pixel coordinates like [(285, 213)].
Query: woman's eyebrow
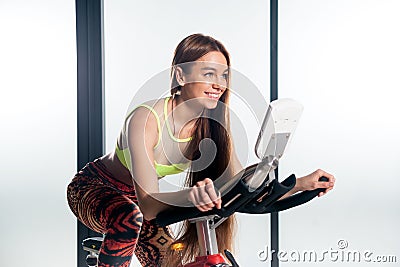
[(211, 68)]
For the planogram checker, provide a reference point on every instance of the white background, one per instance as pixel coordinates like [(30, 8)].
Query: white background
[(341, 60), (38, 132), (338, 58)]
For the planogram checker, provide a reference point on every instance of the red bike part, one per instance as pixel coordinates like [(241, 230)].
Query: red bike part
[(207, 261)]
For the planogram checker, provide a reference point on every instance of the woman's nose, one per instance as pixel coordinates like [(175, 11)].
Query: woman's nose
[(219, 82), (216, 85)]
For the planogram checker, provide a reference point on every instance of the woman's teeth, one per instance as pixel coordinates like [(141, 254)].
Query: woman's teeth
[(211, 95)]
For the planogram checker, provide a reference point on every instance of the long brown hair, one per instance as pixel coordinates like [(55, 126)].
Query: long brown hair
[(214, 124)]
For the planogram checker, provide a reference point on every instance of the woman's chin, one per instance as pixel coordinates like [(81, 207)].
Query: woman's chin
[(210, 103), (205, 102)]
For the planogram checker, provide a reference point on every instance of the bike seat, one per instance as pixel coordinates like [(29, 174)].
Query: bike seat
[(92, 244)]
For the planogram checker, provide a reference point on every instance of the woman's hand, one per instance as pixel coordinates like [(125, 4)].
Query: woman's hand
[(204, 196), (311, 182)]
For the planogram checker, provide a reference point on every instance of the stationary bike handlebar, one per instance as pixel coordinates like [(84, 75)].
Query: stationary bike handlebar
[(255, 189), (265, 199)]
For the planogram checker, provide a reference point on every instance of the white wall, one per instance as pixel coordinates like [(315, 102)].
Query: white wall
[(341, 60), (38, 132)]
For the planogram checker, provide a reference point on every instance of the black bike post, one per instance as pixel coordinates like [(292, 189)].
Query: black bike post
[(274, 96), (90, 94)]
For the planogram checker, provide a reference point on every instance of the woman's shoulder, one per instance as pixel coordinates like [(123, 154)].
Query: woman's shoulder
[(156, 106), (153, 107)]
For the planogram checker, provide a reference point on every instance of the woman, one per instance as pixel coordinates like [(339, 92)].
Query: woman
[(118, 194)]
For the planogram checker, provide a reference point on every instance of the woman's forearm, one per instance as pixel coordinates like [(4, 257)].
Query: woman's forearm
[(153, 203), (177, 198)]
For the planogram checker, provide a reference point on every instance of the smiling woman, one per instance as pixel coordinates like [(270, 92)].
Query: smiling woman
[(139, 41), (123, 187)]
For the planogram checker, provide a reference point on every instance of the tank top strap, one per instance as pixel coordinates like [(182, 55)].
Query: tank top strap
[(169, 128), (155, 115)]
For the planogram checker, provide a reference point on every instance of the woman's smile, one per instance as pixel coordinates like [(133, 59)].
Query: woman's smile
[(212, 95)]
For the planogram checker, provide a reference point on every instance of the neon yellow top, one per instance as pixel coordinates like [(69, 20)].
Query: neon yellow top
[(161, 169)]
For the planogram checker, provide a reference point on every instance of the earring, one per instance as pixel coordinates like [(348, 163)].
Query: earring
[(178, 92)]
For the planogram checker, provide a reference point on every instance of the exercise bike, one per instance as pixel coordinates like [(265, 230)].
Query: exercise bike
[(253, 190)]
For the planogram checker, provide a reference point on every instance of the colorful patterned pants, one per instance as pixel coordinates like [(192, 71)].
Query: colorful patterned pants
[(110, 207)]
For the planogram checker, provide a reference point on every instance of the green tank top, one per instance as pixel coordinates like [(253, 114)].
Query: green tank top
[(161, 169)]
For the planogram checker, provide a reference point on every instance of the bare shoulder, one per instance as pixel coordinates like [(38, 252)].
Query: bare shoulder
[(157, 105), (144, 122)]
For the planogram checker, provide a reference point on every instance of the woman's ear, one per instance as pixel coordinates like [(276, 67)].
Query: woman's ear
[(179, 75)]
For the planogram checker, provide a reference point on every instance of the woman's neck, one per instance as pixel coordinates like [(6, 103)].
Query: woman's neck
[(185, 113)]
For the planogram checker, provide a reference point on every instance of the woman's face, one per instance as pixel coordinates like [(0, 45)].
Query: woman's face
[(206, 80)]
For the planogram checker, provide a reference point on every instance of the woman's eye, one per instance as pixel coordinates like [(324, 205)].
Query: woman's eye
[(225, 76), (209, 74)]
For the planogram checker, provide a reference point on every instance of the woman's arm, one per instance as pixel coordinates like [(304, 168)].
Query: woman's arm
[(142, 136), (311, 182)]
